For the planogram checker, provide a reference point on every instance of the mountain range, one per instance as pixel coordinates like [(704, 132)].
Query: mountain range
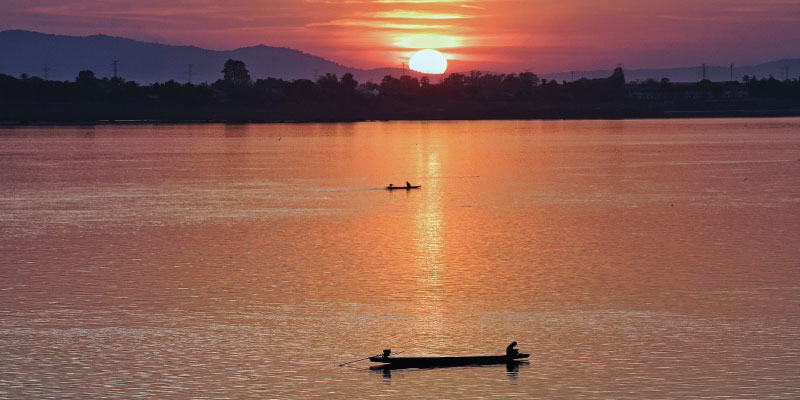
[(61, 57)]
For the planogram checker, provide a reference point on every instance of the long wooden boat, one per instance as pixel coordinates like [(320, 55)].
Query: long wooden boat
[(433, 362), (402, 187)]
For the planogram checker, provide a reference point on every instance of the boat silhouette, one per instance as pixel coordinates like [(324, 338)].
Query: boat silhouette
[(438, 362), (402, 187)]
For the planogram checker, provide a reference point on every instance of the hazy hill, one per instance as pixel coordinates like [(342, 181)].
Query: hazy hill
[(692, 74), (64, 56), (29, 52)]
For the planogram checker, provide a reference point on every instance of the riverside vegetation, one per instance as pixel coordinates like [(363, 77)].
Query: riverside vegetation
[(236, 97)]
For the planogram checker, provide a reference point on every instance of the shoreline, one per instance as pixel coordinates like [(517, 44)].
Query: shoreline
[(676, 114)]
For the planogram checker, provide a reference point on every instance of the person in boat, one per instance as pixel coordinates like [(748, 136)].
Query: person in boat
[(408, 185), (391, 185), (511, 351)]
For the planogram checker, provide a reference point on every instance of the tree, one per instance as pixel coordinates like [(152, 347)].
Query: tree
[(454, 81), (85, 77), (328, 86), (520, 86), (236, 74), (616, 84), (302, 90), (369, 89), (617, 78), (473, 77), (529, 79), (348, 84), (390, 86), (409, 85)]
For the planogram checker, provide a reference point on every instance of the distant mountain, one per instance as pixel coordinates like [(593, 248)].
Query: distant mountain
[(692, 74), (61, 57), (64, 56)]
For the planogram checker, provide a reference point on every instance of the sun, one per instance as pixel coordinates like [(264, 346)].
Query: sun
[(428, 62)]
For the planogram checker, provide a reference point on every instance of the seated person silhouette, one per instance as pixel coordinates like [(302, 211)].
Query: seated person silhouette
[(408, 185), (511, 351)]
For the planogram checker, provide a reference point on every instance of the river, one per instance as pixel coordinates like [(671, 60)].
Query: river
[(633, 259)]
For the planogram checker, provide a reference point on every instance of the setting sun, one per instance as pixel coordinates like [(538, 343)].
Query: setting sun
[(428, 62)]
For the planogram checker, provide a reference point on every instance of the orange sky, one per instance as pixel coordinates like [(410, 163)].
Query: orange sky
[(498, 35)]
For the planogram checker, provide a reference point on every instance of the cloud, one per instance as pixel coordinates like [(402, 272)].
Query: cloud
[(381, 25), (405, 14), (374, 33)]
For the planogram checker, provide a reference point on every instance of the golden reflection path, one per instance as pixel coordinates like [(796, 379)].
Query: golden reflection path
[(430, 243)]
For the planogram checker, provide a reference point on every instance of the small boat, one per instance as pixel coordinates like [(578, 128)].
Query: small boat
[(402, 187), (434, 362)]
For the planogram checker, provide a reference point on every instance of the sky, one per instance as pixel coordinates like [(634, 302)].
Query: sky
[(493, 35)]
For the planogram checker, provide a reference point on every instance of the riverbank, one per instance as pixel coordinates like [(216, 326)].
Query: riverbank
[(96, 113)]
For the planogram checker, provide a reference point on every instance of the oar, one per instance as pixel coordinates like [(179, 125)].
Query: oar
[(350, 362), (362, 359)]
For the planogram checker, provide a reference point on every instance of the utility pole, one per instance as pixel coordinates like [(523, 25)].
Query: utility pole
[(572, 76), (786, 73), (704, 72), (731, 72), (404, 69), (46, 71), (190, 72), (116, 64)]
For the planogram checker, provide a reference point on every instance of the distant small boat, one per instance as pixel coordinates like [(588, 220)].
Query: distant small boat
[(402, 187), (434, 362)]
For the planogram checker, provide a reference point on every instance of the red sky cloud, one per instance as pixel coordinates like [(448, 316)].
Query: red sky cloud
[(499, 35)]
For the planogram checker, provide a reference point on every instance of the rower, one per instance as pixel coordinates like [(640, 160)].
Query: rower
[(408, 185), (511, 351), (391, 185), (387, 353)]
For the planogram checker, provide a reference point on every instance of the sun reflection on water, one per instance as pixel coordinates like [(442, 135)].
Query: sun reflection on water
[(430, 245)]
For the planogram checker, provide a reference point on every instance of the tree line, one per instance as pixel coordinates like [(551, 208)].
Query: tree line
[(236, 85), (522, 94)]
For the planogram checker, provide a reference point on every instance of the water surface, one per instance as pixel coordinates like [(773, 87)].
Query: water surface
[(633, 259)]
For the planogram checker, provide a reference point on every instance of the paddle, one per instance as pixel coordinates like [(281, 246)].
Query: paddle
[(362, 359)]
